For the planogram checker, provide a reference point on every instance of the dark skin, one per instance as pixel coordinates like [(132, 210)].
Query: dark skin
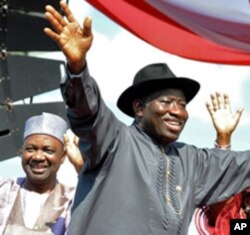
[(225, 123), (163, 114), (75, 41), (42, 156), (72, 39), (224, 120)]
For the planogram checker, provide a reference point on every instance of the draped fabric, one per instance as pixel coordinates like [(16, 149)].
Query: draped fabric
[(54, 216), (215, 219), (215, 31), (232, 209)]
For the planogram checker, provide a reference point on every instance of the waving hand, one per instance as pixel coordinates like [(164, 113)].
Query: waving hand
[(73, 40)]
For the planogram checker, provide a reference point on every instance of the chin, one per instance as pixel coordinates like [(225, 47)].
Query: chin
[(168, 139)]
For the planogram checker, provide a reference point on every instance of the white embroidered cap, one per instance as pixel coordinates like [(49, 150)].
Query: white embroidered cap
[(46, 123)]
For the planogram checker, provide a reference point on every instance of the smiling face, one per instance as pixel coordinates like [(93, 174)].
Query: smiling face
[(42, 156), (163, 114)]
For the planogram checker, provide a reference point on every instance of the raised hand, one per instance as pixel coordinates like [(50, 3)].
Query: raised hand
[(73, 152), (73, 40), (224, 121)]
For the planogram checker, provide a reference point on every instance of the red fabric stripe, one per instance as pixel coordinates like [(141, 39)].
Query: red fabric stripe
[(155, 28)]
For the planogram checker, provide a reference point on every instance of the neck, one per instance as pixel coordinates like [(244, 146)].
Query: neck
[(154, 138), (39, 188)]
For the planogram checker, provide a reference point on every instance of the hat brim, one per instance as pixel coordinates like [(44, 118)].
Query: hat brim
[(189, 87)]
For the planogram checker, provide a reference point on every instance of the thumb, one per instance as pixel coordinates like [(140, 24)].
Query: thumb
[(66, 139)]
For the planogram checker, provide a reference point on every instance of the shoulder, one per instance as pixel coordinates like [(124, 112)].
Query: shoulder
[(17, 181), (5, 182), (67, 191), (184, 149), (7, 185)]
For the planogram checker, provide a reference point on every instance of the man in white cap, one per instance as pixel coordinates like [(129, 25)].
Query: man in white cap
[(139, 179), (38, 203)]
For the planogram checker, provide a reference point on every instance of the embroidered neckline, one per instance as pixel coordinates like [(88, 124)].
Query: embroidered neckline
[(170, 187)]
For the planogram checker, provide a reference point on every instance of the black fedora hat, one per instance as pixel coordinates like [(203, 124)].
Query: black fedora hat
[(152, 78)]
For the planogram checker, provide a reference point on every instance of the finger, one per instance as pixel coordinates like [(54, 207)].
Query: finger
[(214, 102), (76, 140), (237, 117), (210, 108), (227, 104), (69, 15), (87, 27), (239, 114), (54, 36), (66, 139), (219, 100), (55, 19), (58, 16)]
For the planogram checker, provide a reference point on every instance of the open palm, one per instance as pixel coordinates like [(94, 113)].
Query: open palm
[(220, 111), (73, 40)]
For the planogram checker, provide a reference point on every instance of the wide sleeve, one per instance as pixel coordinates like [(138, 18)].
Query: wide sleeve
[(221, 174), (89, 118)]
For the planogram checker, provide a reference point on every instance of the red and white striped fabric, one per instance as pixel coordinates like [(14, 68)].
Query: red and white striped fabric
[(215, 219), (215, 31)]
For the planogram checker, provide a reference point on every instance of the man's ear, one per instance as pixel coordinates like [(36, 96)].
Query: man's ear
[(138, 107)]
